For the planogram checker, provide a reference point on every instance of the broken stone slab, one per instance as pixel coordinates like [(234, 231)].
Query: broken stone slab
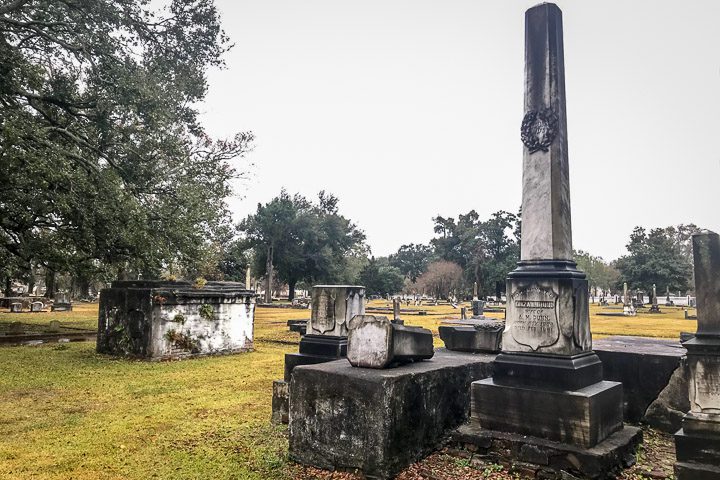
[(61, 307), (472, 335), (280, 401), (376, 342)]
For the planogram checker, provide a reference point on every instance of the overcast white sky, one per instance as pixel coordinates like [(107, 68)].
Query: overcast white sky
[(410, 109)]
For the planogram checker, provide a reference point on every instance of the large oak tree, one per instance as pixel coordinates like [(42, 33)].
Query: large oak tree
[(106, 168)]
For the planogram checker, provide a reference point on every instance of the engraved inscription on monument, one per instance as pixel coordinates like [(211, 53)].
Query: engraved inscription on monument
[(705, 386), (536, 321), (323, 312)]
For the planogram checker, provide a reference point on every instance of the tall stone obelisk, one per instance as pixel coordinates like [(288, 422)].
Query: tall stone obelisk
[(697, 443), (548, 382)]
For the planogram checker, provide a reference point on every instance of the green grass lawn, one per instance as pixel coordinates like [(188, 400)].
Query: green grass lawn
[(67, 412)]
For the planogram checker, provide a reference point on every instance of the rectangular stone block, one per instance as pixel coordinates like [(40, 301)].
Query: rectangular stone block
[(332, 308), (474, 338), (547, 314), (379, 421), (376, 342), (280, 401), (293, 360), (581, 417), (697, 448), (696, 471)]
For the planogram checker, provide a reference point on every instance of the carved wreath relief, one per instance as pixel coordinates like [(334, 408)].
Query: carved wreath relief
[(539, 128), (536, 323)]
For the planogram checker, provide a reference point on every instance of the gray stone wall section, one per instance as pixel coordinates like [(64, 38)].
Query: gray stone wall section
[(547, 231), (379, 422)]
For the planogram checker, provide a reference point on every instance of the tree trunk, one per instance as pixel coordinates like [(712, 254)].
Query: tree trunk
[(8, 286), (268, 275), (49, 283), (291, 290)]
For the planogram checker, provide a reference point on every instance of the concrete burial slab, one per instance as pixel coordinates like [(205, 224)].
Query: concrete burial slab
[(643, 365), (379, 421)]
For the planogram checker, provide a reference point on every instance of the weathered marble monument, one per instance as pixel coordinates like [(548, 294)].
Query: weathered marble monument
[(547, 395), (377, 419), (325, 338), (697, 443), (628, 305), (477, 305), (333, 306), (156, 319), (654, 307)]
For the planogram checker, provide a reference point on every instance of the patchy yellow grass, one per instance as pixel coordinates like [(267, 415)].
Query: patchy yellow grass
[(67, 412), (83, 315)]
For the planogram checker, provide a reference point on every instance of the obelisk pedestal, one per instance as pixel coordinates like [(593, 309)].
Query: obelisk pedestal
[(697, 443), (548, 383)]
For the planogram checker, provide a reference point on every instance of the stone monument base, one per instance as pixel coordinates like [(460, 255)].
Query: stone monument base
[(583, 417), (476, 335), (315, 349), (697, 456), (379, 421), (548, 460)]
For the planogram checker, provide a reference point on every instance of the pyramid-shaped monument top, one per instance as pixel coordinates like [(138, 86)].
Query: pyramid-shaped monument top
[(546, 222)]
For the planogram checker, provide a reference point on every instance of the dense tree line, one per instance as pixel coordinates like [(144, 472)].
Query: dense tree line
[(661, 256), (302, 241), (107, 171)]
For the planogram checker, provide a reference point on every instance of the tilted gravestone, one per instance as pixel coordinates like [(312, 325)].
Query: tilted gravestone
[(697, 443), (547, 394), (376, 342)]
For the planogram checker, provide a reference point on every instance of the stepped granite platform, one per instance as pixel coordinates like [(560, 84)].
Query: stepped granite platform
[(379, 421)]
